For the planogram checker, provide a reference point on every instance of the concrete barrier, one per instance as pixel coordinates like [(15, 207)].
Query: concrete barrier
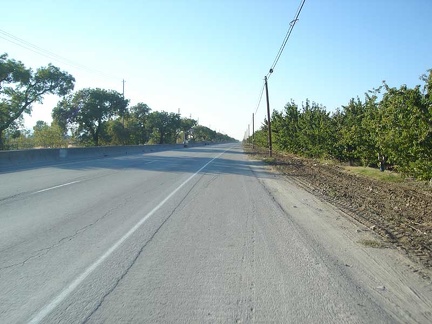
[(40, 156)]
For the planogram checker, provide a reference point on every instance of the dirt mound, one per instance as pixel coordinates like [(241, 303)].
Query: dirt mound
[(400, 212)]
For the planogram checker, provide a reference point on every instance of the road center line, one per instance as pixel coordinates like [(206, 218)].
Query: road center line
[(55, 187), (74, 284)]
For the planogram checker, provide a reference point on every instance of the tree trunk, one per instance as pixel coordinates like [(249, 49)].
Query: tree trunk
[(1, 140), (96, 133)]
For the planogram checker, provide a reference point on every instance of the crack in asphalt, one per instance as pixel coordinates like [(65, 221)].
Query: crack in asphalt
[(41, 252), (132, 263), (12, 196)]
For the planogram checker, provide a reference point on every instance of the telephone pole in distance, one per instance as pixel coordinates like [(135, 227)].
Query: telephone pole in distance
[(268, 117)]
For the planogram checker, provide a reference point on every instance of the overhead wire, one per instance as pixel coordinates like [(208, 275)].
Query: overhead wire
[(39, 50), (287, 35), (282, 47), (25, 44), (260, 98)]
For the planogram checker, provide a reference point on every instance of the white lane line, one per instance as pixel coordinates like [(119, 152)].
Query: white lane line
[(72, 286), (55, 187)]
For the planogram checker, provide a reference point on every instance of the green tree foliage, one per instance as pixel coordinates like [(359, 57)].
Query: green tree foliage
[(261, 136), (286, 129), (10, 134), (350, 124), (86, 112), (201, 133), (222, 138), (368, 150), (186, 126), (315, 130), (114, 133), (164, 127), (355, 125), (48, 136), (308, 132), (91, 116), (18, 139), (405, 135), (21, 87), (398, 127), (137, 123)]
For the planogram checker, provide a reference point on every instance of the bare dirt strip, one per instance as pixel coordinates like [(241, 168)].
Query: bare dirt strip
[(401, 213)]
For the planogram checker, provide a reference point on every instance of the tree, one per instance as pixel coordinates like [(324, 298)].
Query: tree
[(203, 134), (137, 123), (20, 88), (186, 126), (316, 136), (368, 145), (164, 127), (285, 128), (86, 112), (261, 135), (398, 127), (18, 139), (114, 133), (48, 136), (405, 135), (39, 133), (356, 131)]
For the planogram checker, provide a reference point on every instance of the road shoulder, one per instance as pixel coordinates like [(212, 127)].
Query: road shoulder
[(399, 285)]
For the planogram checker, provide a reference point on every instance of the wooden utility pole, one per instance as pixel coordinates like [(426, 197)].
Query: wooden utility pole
[(253, 131), (123, 98), (268, 118)]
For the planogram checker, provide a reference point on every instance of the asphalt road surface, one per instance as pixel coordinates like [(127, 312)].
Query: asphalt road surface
[(196, 235)]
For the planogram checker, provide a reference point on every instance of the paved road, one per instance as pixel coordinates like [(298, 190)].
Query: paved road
[(198, 235)]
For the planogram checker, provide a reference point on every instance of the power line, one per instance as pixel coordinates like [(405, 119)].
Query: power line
[(27, 45), (288, 34), (39, 50), (278, 55), (260, 98)]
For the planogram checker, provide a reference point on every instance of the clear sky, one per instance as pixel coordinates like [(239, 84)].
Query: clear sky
[(208, 58)]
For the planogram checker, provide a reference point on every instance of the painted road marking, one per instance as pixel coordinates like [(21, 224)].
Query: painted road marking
[(74, 284), (55, 187)]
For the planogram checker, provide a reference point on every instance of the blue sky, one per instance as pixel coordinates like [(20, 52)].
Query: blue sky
[(208, 58)]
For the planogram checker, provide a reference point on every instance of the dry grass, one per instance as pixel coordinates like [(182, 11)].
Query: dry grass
[(372, 244), (386, 176)]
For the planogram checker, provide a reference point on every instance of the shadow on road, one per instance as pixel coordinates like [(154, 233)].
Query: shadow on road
[(188, 160)]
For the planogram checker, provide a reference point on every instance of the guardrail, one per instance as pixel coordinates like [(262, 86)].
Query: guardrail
[(37, 156)]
